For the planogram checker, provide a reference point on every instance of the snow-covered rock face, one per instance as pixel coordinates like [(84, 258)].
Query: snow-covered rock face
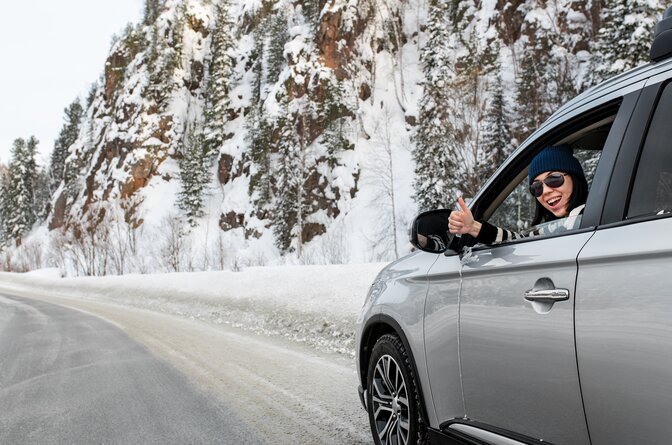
[(225, 133), (288, 132)]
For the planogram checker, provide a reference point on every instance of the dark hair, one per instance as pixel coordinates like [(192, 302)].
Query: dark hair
[(578, 197)]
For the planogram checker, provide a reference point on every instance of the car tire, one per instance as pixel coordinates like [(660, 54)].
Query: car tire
[(392, 398)]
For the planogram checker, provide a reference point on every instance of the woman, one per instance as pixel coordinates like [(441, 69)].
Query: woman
[(556, 181)]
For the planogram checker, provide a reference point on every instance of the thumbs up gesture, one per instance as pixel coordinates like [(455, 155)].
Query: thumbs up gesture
[(462, 221)]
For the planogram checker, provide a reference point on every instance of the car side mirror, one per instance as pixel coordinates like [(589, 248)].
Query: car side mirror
[(429, 231)]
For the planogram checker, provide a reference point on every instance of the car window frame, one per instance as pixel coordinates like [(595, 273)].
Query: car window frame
[(593, 111), (625, 169)]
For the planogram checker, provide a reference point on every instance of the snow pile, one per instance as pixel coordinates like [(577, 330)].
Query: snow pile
[(316, 305)]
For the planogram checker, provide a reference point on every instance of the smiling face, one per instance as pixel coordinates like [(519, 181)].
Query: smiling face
[(556, 200)]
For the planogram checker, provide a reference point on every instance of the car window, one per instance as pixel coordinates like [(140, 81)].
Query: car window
[(652, 189), (517, 210)]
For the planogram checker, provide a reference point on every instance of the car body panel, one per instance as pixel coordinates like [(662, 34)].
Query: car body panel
[(518, 358), (441, 337), (624, 333), (399, 296)]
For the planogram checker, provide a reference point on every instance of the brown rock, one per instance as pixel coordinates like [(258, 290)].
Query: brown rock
[(197, 25), (311, 230), (225, 167), (114, 73), (196, 76), (231, 220), (58, 215), (364, 91)]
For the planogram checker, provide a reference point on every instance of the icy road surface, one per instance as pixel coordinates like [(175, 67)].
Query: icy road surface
[(68, 377), (283, 392)]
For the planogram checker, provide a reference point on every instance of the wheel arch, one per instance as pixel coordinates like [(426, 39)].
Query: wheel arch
[(375, 328)]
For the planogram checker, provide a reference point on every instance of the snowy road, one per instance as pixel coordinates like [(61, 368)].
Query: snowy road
[(68, 377), (283, 392)]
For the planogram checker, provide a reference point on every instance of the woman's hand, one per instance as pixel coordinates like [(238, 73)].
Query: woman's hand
[(462, 221)]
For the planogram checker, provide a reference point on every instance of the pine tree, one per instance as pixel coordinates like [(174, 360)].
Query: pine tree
[(531, 99), (471, 57), (257, 70), (151, 11), (22, 179), (625, 36), (260, 134), (275, 50), (285, 215), (6, 206), (68, 135), (311, 11), (259, 131), (291, 200), (164, 56), (42, 193), (195, 175), (434, 131), (219, 79), (496, 133), (332, 114)]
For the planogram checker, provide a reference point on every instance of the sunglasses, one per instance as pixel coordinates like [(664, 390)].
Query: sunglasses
[(553, 181)]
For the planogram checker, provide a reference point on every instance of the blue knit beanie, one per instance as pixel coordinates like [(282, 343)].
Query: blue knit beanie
[(558, 158)]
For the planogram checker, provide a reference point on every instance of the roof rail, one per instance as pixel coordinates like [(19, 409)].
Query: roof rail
[(661, 48)]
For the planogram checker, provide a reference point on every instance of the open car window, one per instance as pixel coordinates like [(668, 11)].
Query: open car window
[(516, 211)]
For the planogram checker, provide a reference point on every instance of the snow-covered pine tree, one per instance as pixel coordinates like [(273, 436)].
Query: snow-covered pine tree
[(576, 29), (164, 55), (151, 11), (286, 203), (6, 205), (259, 131), (333, 117), (22, 175), (260, 134), (311, 12), (195, 175), (497, 145), (293, 199), (175, 45), (531, 99), (496, 132), (274, 53), (555, 36), (467, 98), (434, 132), (625, 36), (219, 79), (67, 136), (257, 70), (42, 193)]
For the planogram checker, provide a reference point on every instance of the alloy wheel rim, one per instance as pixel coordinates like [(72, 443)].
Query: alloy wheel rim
[(390, 402)]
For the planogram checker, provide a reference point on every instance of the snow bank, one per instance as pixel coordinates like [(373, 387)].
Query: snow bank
[(316, 305)]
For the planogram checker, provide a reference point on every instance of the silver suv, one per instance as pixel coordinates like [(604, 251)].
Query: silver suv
[(564, 338)]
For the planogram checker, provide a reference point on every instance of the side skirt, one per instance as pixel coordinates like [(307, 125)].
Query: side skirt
[(469, 432)]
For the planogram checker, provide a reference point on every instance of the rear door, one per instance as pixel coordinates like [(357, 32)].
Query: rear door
[(624, 290)]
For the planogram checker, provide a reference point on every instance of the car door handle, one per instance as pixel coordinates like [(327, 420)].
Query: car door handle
[(547, 296)]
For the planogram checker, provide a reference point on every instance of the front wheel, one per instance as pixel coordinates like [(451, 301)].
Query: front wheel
[(392, 397)]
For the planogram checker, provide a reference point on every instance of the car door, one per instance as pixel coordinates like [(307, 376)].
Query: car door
[(516, 330), (624, 289)]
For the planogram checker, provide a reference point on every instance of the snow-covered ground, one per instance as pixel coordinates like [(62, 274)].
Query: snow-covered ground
[(315, 305)]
